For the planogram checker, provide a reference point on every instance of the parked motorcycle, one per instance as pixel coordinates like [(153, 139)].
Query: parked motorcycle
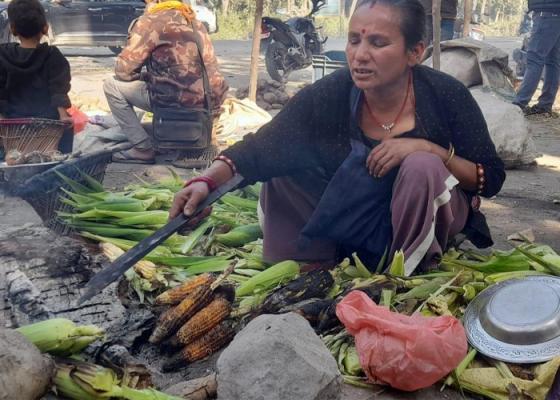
[(292, 43)]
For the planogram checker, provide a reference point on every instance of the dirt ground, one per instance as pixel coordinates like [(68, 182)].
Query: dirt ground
[(530, 198)]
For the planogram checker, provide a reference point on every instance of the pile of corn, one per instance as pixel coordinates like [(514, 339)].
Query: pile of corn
[(81, 380), (118, 220), (461, 276)]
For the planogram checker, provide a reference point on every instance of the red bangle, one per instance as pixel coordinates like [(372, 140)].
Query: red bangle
[(206, 179), (230, 163)]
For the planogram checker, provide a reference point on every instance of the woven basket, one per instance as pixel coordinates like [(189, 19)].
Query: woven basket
[(31, 134), (43, 192)]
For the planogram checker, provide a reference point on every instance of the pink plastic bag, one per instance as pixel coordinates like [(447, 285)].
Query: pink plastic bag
[(407, 353), (79, 119)]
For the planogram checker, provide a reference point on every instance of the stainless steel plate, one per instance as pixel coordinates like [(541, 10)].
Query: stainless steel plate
[(517, 320)]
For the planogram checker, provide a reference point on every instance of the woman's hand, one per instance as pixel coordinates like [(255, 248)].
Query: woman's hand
[(390, 153), (187, 200)]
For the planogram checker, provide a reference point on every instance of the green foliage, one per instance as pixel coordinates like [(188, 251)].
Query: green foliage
[(234, 26)]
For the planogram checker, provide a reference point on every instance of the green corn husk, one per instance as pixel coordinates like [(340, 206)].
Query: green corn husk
[(352, 362), (60, 336), (397, 266), (75, 186), (421, 292), (240, 236), (502, 276), (85, 381), (195, 236), (361, 269), (145, 218), (463, 365), (92, 183), (269, 278), (124, 244), (499, 261), (112, 230), (116, 204), (239, 202), (215, 265)]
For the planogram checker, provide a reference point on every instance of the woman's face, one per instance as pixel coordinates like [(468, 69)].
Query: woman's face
[(376, 51)]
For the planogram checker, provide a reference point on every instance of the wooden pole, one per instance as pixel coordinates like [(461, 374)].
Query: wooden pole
[(353, 8), (225, 6), (436, 28), (467, 19), (254, 71)]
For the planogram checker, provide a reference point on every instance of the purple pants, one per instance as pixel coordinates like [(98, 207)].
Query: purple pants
[(427, 209)]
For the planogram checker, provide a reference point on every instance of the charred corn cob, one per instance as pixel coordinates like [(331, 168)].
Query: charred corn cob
[(204, 320), (178, 293), (203, 347), (175, 317)]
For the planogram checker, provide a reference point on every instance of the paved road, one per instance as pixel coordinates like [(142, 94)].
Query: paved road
[(91, 65)]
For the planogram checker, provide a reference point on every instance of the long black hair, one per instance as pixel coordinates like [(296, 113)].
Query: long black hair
[(413, 18)]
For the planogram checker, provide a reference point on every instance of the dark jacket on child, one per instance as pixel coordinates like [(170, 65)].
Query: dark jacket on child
[(33, 82)]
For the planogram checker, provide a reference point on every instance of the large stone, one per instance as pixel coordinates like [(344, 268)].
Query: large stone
[(25, 374), (278, 357), (508, 128), (270, 97)]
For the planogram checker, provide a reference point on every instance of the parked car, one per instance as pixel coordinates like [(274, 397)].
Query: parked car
[(104, 23)]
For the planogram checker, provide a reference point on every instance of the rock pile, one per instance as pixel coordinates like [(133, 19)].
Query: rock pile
[(271, 95)]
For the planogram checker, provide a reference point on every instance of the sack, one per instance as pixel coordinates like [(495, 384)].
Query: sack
[(408, 353), (182, 129)]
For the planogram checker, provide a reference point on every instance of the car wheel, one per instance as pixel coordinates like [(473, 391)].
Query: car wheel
[(116, 49)]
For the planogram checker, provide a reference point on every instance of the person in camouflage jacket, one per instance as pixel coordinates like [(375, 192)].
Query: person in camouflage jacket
[(163, 41)]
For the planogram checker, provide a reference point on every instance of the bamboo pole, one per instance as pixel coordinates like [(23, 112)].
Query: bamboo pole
[(467, 19), (436, 28), (254, 71)]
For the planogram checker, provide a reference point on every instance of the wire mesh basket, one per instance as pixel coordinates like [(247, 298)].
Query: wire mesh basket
[(43, 192), (31, 134)]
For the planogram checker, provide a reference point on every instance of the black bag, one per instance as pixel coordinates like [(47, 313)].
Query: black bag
[(185, 128)]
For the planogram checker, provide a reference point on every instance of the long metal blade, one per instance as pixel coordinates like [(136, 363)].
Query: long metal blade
[(114, 271)]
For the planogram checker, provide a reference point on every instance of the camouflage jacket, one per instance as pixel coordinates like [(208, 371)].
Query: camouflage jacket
[(164, 42)]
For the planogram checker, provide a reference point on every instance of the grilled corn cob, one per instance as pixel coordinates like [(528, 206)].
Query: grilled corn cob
[(178, 293), (203, 347), (204, 320), (175, 317)]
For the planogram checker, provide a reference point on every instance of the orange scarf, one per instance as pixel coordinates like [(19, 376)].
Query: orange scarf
[(184, 9)]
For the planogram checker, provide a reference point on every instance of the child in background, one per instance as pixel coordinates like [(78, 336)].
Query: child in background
[(34, 77)]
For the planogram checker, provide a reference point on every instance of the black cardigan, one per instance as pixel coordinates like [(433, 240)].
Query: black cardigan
[(312, 132)]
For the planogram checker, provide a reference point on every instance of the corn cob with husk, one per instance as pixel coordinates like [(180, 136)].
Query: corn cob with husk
[(146, 269), (175, 317), (177, 294), (60, 336), (204, 320), (203, 347), (85, 381)]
